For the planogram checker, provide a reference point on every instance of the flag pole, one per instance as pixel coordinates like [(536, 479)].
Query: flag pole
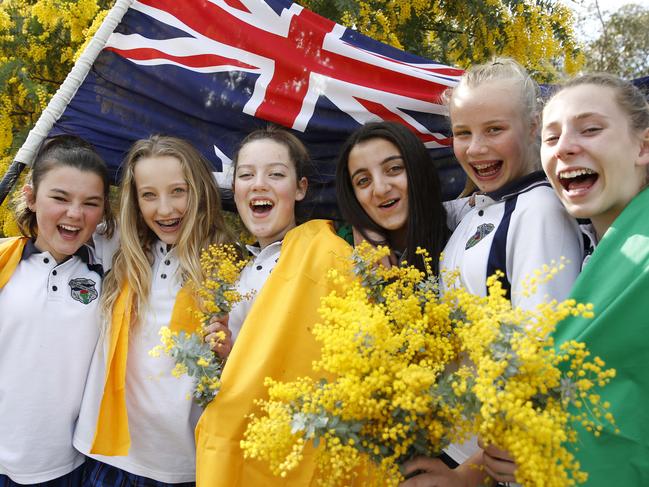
[(25, 155)]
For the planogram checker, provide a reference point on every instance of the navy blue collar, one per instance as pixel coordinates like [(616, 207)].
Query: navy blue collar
[(30, 249), (521, 185), (83, 253)]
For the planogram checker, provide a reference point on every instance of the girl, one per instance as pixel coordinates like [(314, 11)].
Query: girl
[(275, 340), (49, 288), (268, 182), (136, 422), (511, 221), (595, 151), (388, 190)]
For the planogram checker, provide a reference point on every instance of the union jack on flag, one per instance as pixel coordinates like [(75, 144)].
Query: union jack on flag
[(210, 71)]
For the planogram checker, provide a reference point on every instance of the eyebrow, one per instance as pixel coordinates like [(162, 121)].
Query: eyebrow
[(66, 193), (172, 184), (283, 164), (578, 117), (581, 116), (496, 120), (384, 161), (486, 122)]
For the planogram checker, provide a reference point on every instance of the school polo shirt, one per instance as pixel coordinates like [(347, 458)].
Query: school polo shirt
[(517, 229), (161, 414), (252, 278), (49, 327)]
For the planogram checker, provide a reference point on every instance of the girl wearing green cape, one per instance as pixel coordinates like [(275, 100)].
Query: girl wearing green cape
[(595, 151)]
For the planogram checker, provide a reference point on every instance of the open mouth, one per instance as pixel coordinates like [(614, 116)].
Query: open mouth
[(261, 207), (169, 225), (576, 180), (68, 231), (389, 203), (487, 169)]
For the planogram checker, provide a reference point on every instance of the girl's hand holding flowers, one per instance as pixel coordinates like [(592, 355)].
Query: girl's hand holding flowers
[(201, 354), (219, 336), (498, 463)]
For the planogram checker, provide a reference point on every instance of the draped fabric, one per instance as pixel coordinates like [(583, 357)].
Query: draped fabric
[(275, 341), (112, 433), (11, 251), (616, 281)]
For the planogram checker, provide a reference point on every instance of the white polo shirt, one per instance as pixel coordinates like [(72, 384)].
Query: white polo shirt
[(517, 229), (252, 279), (49, 327), (161, 414)]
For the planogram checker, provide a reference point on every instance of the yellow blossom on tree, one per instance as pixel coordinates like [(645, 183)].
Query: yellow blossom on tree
[(39, 40), (538, 34)]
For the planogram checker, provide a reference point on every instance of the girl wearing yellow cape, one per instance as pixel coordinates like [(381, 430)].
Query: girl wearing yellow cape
[(136, 422), (275, 340), (50, 283)]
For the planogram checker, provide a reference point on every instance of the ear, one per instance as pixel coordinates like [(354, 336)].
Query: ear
[(643, 156), (30, 197), (301, 189), (535, 124)]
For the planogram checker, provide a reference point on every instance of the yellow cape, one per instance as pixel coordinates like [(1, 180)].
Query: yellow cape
[(112, 434), (11, 251), (275, 341)]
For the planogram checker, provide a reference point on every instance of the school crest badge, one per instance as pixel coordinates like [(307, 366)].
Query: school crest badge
[(83, 290), (481, 232)]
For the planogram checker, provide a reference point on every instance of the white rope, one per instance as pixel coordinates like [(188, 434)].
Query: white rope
[(69, 87)]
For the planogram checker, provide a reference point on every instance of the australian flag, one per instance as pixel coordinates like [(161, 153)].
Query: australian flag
[(211, 71)]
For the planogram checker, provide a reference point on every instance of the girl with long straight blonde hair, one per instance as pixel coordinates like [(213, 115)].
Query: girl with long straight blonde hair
[(137, 423)]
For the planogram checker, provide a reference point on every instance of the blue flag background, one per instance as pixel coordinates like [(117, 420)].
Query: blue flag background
[(213, 71)]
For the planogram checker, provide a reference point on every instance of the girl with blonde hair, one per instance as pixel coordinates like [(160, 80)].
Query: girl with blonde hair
[(509, 220), (595, 151), (137, 423)]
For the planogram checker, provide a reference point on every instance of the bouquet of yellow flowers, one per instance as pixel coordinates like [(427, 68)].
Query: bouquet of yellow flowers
[(530, 393), (217, 294), (406, 370)]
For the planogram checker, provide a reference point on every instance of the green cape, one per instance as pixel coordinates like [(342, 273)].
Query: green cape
[(616, 281)]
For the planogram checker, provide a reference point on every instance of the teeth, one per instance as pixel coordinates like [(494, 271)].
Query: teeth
[(388, 203), (576, 173), (70, 228), (487, 165), (261, 203), (168, 223)]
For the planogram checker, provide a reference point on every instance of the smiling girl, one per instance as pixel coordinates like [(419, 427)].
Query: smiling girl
[(594, 162), (512, 221), (49, 288), (288, 276), (509, 221), (268, 182), (137, 422), (389, 191), (595, 151)]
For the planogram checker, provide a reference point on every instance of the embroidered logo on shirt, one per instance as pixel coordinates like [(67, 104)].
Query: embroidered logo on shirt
[(482, 231), (83, 290)]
